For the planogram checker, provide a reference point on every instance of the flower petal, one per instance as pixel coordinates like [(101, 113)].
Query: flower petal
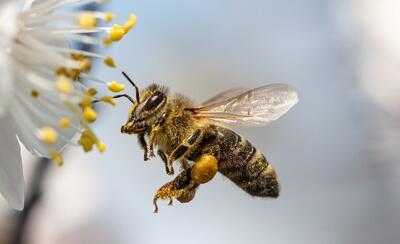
[(46, 110), (11, 174), (7, 32)]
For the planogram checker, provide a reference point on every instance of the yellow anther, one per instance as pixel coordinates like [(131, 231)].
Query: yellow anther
[(64, 123), (116, 33), (62, 71), (89, 114), (107, 41), (109, 100), (86, 101), (87, 20), (57, 158), (108, 60), (64, 85), (86, 64), (87, 141), (91, 92), (108, 17), (77, 56), (115, 87), (34, 93), (48, 135), (101, 147), (74, 74), (130, 23)]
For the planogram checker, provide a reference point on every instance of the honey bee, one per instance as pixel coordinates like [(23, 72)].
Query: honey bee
[(199, 138)]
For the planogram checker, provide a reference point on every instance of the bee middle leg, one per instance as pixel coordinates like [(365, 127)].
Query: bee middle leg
[(182, 149), (164, 158)]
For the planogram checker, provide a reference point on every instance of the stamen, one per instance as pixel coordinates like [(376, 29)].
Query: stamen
[(101, 147), (116, 33), (87, 20), (108, 17), (64, 85), (64, 123), (57, 158), (89, 114), (108, 60), (91, 92), (115, 87), (34, 93), (91, 78), (130, 23), (109, 100), (47, 135)]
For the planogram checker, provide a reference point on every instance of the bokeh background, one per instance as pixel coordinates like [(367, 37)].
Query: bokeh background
[(336, 152)]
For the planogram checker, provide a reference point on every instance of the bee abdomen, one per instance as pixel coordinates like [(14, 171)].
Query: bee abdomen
[(249, 169)]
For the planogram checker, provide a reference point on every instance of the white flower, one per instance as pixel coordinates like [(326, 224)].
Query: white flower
[(42, 102)]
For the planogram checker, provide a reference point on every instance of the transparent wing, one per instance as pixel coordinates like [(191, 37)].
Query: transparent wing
[(222, 96), (255, 107)]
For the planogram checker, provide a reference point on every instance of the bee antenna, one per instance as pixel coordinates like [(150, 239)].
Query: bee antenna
[(118, 96), (133, 84)]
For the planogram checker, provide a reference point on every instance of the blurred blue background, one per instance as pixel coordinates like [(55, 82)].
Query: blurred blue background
[(336, 152)]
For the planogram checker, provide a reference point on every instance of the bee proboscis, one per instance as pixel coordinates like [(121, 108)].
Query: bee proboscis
[(199, 138)]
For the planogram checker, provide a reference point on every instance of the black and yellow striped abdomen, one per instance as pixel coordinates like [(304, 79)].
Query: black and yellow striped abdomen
[(238, 160)]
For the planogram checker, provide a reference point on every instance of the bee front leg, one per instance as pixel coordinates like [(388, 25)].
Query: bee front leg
[(143, 145)]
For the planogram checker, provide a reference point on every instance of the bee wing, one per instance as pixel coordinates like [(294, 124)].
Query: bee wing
[(222, 96), (255, 107)]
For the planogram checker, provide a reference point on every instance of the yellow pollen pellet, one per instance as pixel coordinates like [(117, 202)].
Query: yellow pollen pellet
[(48, 135), (108, 17), (87, 20), (116, 33), (109, 100), (57, 158), (64, 85), (115, 87), (89, 114), (64, 123), (101, 147), (130, 23), (108, 60), (34, 93)]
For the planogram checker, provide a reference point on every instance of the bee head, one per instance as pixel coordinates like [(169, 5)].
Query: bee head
[(145, 109)]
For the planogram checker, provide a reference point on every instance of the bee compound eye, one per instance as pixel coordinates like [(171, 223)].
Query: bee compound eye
[(154, 101)]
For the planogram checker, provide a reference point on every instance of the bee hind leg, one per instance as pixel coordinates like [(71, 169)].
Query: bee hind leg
[(204, 169), (167, 191)]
